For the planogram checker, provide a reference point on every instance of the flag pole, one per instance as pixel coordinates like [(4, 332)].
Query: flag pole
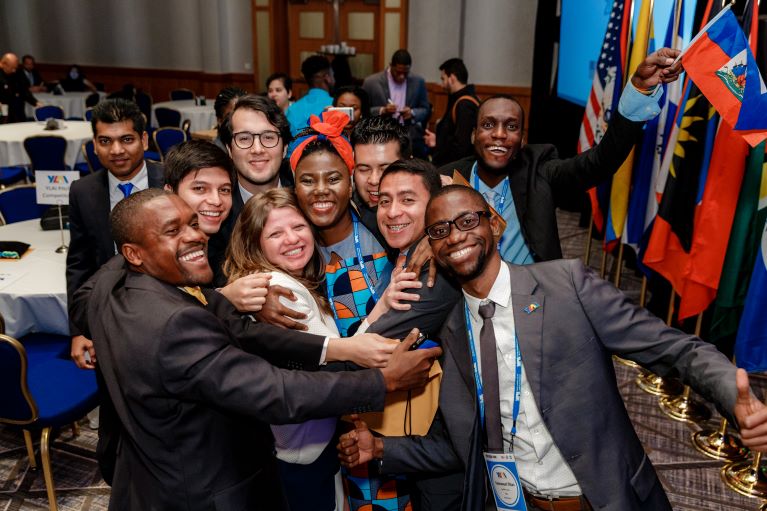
[(686, 408), (651, 382), (587, 255), (619, 265)]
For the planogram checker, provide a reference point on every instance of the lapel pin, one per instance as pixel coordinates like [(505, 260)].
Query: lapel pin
[(531, 308)]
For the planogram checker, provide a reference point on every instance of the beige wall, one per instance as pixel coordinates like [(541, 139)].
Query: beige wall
[(206, 35), (497, 43)]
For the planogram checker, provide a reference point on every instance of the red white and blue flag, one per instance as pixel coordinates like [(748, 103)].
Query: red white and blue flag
[(720, 62)]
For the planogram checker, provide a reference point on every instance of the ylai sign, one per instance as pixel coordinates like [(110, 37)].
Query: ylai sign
[(53, 185)]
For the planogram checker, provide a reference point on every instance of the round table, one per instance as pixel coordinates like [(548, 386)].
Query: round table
[(33, 290), (202, 117), (12, 140), (73, 103)]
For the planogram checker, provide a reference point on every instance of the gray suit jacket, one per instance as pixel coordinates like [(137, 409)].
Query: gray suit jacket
[(566, 350), (193, 405), (377, 87)]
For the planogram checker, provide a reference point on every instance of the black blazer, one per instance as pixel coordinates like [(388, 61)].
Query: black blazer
[(540, 182), (194, 406), (91, 243)]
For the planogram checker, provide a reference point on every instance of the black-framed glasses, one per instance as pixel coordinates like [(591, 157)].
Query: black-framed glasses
[(465, 222), (245, 139)]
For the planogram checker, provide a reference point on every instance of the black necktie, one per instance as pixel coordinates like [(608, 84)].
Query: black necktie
[(490, 379)]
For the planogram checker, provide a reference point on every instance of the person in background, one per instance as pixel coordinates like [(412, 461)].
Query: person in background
[(223, 106), (319, 77), (75, 81), (30, 73), (355, 98), (279, 88), (13, 90), (452, 137), (395, 92)]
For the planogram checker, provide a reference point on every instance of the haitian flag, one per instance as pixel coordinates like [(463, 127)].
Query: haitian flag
[(720, 62), (751, 343)]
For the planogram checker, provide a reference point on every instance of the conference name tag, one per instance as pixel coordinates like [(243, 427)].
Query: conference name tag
[(504, 481)]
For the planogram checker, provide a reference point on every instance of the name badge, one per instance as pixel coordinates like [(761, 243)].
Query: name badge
[(504, 481)]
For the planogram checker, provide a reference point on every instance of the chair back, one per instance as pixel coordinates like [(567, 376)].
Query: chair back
[(144, 102), (186, 127), (181, 94), (167, 117), (89, 114), (166, 138), (16, 403), (19, 203), (92, 100), (89, 153), (45, 112), (46, 152)]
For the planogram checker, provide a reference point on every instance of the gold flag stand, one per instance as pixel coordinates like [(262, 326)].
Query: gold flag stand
[(747, 477), (685, 407), (719, 444)]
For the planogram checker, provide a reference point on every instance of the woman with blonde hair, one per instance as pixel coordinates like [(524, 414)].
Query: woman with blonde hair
[(272, 235)]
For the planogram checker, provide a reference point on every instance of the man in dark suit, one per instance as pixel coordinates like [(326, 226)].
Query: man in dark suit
[(571, 421), (31, 75), (525, 183), (13, 90), (194, 406), (395, 92), (120, 139)]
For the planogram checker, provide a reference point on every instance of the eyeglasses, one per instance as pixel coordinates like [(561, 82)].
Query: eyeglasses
[(245, 139), (465, 222)]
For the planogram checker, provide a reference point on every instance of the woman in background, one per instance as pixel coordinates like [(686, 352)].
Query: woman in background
[(279, 88), (355, 98)]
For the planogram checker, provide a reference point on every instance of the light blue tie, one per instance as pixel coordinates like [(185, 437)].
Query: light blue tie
[(126, 189)]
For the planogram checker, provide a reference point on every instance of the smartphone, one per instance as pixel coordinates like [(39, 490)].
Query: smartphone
[(422, 343), (349, 111)]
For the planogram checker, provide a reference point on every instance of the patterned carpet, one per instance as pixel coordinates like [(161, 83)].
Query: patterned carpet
[(692, 481)]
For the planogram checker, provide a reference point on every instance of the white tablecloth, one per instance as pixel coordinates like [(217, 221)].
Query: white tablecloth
[(12, 140), (33, 291), (202, 117), (73, 103)]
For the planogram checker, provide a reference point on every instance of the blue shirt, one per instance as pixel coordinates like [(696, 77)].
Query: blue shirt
[(313, 103)]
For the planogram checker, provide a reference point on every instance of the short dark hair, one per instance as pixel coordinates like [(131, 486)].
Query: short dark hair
[(27, 56), (457, 68), (510, 98), (287, 81), (401, 57), (115, 110), (125, 218), (193, 155), (458, 188), (380, 130), (416, 167), (223, 98), (357, 91), (266, 106), (312, 66)]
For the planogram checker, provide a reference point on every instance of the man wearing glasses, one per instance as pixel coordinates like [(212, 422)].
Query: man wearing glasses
[(256, 134), (527, 370)]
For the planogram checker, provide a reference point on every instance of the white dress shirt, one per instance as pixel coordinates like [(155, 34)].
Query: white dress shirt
[(140, 182), (541, 467)]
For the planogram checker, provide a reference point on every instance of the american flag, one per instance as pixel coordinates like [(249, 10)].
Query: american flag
[(606, 89)]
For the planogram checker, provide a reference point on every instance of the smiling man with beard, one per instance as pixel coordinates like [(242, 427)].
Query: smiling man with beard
[(526, 183), (193, 404)]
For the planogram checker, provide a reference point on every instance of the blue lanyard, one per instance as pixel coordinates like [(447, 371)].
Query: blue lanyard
[(478, 377), (497, 204), (361, 262)]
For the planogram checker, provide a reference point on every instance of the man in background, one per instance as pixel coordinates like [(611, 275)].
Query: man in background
[(31, 75), (452, 137), (14, 91), (319, 77), (395, 92)]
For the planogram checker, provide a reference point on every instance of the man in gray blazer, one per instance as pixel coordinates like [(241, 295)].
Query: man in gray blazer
[(194, 406), (395, 92), (574, 445)]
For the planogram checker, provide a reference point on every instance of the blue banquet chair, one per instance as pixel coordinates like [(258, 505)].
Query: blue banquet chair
[(166, 138), (45, 112), (46, 152), (181, 94), (19, 203)]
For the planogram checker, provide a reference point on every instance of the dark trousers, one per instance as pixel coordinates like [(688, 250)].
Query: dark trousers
[(311, 487)]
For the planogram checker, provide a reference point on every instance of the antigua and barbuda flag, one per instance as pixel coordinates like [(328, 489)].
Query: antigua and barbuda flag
[(720, 62)]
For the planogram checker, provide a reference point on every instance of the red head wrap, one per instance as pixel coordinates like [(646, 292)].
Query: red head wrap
[(330, 127)]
